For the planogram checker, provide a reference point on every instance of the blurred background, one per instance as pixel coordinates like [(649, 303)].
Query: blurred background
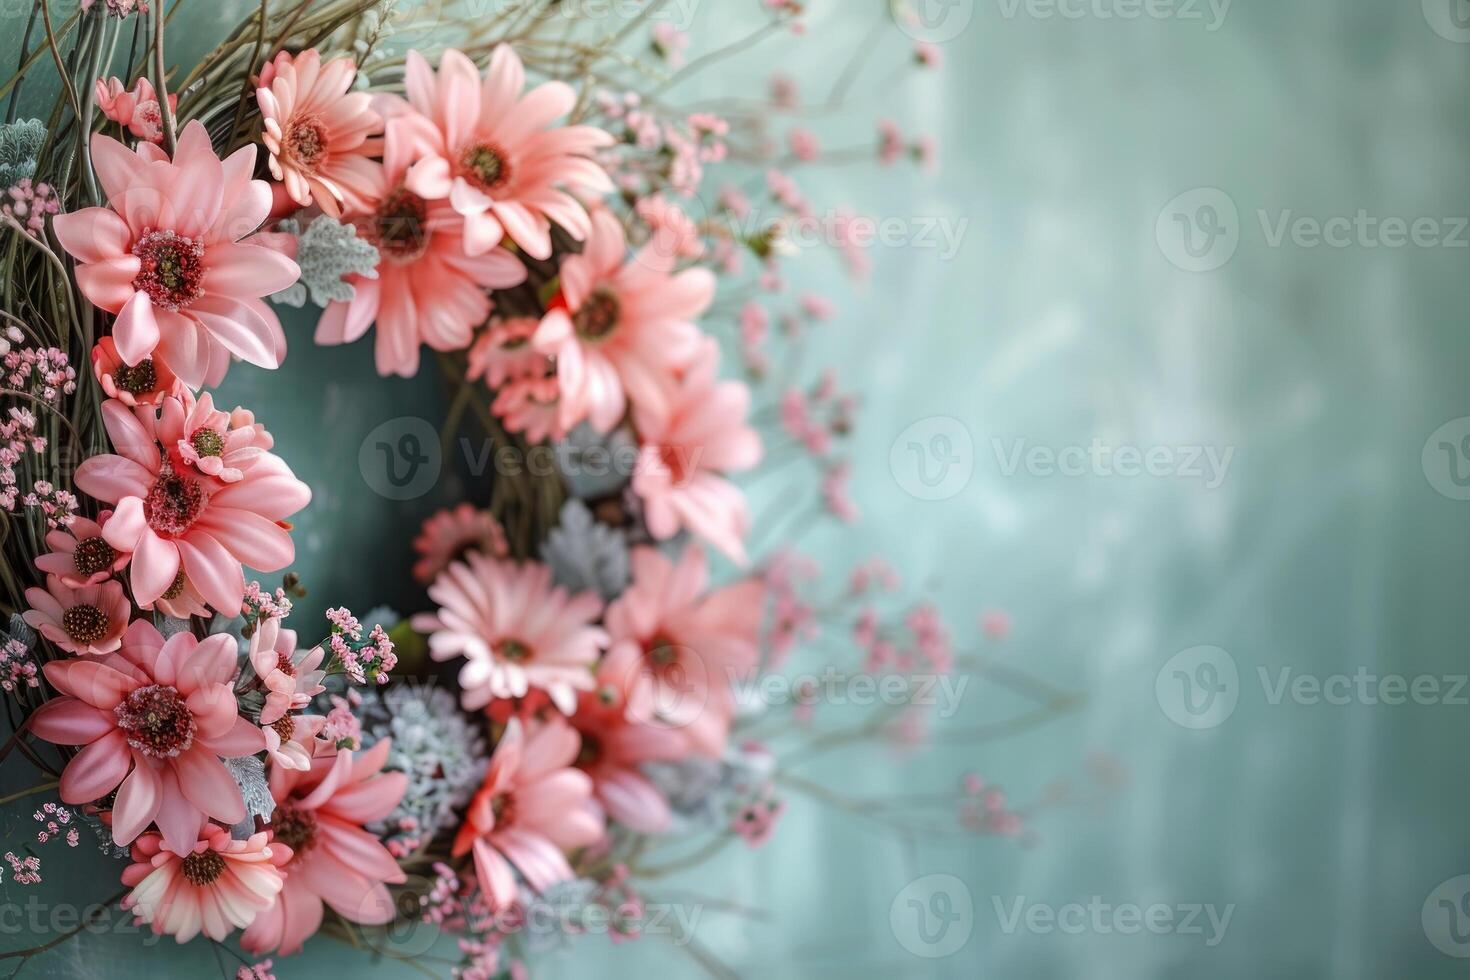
[(1226, 239)]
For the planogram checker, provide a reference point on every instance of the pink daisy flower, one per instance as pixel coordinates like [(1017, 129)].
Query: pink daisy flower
[(504, 352), (427, 290), (320, 815), (532, 807), (79, 554), (686, 452), (217, 886), (177, 521), (675, 649), (531, 406), (170, 258), (619, 330), (317, 129), (137, 108), (614, 748), (515, 630), (155, 719), (219, 444), (447, 535), (146, 383), (493, 152), (88, 619), (290, 740), (292, 677)]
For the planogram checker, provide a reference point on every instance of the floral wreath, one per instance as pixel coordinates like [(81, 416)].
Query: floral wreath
[(544, 241)]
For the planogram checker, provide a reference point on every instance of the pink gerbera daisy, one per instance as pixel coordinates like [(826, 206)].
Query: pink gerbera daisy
[(675, 649), (427, 290), (493, 152), (532, 807), (170, 257), (317, 129), (447, 535), (219, 444), (146, 383), (504, 352), (320, 815), (177, 521), (79, 554), (88, 619), (515, 630), (686, 452), (619, 330), (292, 677), (155, 719), (218, 886), (614, 747)]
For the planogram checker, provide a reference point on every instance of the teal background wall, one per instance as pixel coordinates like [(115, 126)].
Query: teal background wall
[(1066, 316)]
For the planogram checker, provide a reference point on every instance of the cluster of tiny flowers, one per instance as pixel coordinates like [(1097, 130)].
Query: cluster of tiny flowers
[(119, 8), (793, 619), (342, 728), (44, 373), (24, 871), (814, 418), (669, 154), (260, 971), (58, 506), (17, 437), (835, 495), (56, 821), (362, 660), (27, 204), (260, 605), (16, 667), (983, 809), (756, 820), (928, 642)]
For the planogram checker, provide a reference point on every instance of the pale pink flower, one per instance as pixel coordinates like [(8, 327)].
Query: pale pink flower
[(176, 521), (136, 108), (835, 493), (615, 744), (515, 630), (504, 352), (688, 450), (317, 129), (155, 718), (447, 535), (676, 648), (756, 821), (494, 153), (928, 54), (146, 383), (170, 257), (619, 330), (531, 406), (217, 886), (320, 815), (890, 142), (804, 145), (80, 555), (291, 740), (532, 807), (670, 43), (218, 444), (674, 232), (88, 619), (292, 677)]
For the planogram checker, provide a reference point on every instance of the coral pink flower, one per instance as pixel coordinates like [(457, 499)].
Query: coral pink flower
[(137, 109), (146, 383), (80, 555), (532, 807), (504, 352), (489, 151), (515, 630), (317, 130), (686, 452), (531, 406), (320, 814), (427, 290), (219, 444), (675, 650), (620, 330), (614, 747), (291, 740), (155, 719), (82, 620), (447, 535), (169, 256), (216, 887), (177, 521), (291, 677)]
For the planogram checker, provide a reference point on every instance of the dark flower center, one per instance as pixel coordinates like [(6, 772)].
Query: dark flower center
[(485, 166), (284, 664), (590, 751), (306, 143), (93, 555), (207, 442), (172, 272), (203, 867), (285, 726), (294, 828), (177, 588), (174, 503), (137, 380), (504, 808), (661, 651), (599, 314), (85, 623), (513, 650), (157, 721), (401, 225)]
